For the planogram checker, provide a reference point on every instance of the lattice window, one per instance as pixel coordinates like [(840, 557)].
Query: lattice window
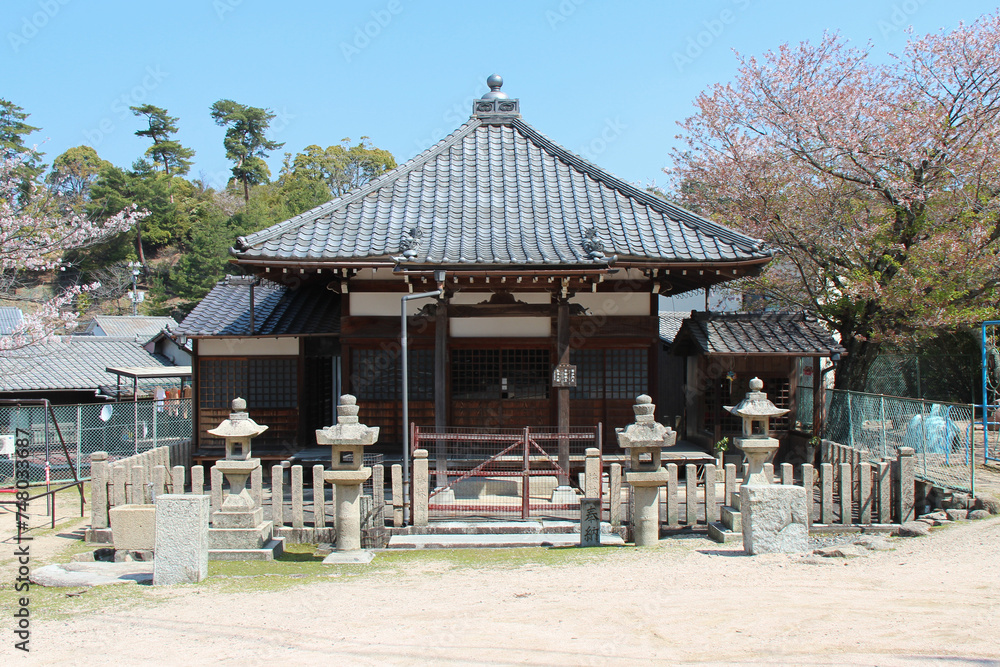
[(610, 374), (220, 381), (273, 383), (496, 374), (264, 383), (378, 375)]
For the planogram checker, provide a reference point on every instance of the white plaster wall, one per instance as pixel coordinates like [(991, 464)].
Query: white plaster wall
[(239, 347), (384, 304), (501, 327), (614, 303)]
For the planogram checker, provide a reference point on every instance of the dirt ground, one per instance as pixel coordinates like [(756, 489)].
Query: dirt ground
[(931, 600)]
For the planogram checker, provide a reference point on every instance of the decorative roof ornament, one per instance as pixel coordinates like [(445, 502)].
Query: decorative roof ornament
[(411, 239), (495, 103), (592, 245)]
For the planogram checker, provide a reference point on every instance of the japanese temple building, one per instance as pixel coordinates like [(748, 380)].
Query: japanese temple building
[(550, 267)]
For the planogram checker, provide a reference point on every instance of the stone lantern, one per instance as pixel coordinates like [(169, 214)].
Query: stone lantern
[(238, 527), (347, 440), (643, 441), (756, 411), (774, 516)]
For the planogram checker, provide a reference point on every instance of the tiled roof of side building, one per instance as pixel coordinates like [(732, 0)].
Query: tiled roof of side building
[(794, 334), (10, 320), (278, 310), (72, 363), (670, 324), (498, 192), (141, 326)]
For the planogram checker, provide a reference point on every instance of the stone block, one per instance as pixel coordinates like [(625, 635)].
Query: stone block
[(181, 539), (133, 527), (774, 519)]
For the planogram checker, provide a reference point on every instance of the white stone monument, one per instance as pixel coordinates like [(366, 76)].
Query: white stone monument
[(773, 516), (239, 531), (347, 440), (181, 539), (643, 440)]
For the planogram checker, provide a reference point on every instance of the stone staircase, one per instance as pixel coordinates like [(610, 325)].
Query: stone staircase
[(730, 528)]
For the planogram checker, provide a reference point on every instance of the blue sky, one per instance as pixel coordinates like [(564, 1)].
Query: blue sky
[(609, 81)]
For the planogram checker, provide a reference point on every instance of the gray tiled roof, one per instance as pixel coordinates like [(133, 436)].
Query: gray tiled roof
[(72, 362), (754, 333), (670, 324), (278, 310), (141, 326), (498, 192), (10, 319)]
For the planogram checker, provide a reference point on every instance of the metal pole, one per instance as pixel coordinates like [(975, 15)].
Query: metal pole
[(406, 379)]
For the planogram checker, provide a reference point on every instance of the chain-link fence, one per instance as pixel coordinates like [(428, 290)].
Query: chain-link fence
[(943, 436), (120, 429), (939, 377)]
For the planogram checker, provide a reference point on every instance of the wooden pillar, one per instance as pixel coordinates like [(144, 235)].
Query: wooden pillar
[(819, 398), (562, 393), (441, 391)]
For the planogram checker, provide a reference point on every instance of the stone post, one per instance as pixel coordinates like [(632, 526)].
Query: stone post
[(278, 495), (215, 477), (197, 480), (396, 474), (730, 483), (905, 476), (884, 484), (865, 496), (846, 491), (159, 481), (177, 480), (808, 483), (592, 473), (826, 493), (590, 522), (137, 488), (691, 493), (615, 495), (118, 477), (420, 485), (787, 474), (319, 498), (181, 539), (711, 504), (99, 490), (297, 516), (673, 511)]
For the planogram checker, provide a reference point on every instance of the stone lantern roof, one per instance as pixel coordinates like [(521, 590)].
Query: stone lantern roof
[(239, 424), (756, 403)]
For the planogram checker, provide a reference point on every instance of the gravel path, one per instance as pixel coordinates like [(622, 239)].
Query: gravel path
[(931, 600)]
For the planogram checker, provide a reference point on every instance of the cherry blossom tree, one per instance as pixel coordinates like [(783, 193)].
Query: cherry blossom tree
[(33, 239), (877, 183)]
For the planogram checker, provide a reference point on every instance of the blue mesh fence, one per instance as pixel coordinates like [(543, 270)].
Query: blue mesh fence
[(947, 438)]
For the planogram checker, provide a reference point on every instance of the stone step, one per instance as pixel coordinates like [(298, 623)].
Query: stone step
[(723, 535), (732, 519), (494, 541), (270, 551), (536, 527)]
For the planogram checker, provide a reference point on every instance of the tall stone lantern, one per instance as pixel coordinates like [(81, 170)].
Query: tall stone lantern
[(756, 411), (347, 440), (774, 517), (643, 441), (238, 527)]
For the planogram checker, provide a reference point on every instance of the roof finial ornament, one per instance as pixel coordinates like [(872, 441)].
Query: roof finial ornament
[(495, 81)]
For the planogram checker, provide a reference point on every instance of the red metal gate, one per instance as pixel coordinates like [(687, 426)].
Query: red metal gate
[(504, 473)]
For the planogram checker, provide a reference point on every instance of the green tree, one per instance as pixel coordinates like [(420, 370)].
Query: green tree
[(74, 173), (207, 256), (165, 151), (13, 131), (343, 167), (245, 142)]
